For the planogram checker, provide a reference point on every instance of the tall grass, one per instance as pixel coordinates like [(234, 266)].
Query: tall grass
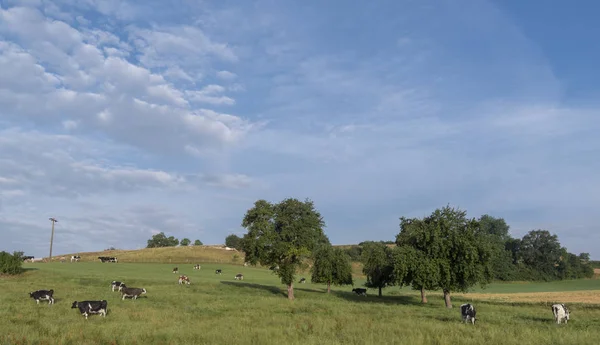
[(216, 309)]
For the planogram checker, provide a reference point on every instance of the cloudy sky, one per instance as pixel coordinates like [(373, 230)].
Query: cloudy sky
[(126, 118)]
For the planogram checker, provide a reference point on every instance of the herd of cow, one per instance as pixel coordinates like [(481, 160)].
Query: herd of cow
[(86, 308)]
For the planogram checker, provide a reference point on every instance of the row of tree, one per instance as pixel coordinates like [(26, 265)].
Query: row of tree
[(161, 240), (444, 251)]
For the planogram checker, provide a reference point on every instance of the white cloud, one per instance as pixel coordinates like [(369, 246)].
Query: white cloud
[(226, 75)]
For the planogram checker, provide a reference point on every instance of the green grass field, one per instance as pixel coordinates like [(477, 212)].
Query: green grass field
[(220, 310)]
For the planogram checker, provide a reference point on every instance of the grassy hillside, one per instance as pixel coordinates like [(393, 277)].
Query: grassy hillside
[(216, 309), (176, 255)]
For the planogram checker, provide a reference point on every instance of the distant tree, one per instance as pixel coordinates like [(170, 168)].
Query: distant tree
[(331, 266), (541, 252), (354, 252), (198, 243), (160, 240), (413, 266), (497, 232), (283, 235), (378, 265), (185, 242), (233, 241), (455, 251)]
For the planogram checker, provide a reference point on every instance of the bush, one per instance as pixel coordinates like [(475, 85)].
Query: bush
[(11, 264)]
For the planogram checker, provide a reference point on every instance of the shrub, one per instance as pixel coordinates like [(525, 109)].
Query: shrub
[(11, 264)]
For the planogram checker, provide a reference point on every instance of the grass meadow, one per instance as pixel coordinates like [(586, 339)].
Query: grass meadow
[(216, 309)]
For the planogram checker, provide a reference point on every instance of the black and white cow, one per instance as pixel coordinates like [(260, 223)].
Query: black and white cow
[(117, 285), (467, 311), (107, 259), (360, 291), (184, 279), (91, 307), (43, 295), (75, 258), (239, 276), (560, 312), (176, 270), (196, 267), (132, 292), (302, 280), (25, 258), (219, 271)]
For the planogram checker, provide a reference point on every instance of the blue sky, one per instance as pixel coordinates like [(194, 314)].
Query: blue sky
[(126, 118)]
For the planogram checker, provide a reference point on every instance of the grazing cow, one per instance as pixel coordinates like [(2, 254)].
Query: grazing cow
[(302, 280), (239, 276), (246, 264), (467, 311), (184, 279), (25, 258), (274, 268), (132, 292), (560, 312), (117, 285), (196, 267), (219, 271), (176, 270), (107, 259), (75, 258), (91, 307), (43, 295), (360, 291)]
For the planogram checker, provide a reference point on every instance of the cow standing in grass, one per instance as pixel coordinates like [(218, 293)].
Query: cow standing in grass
[(91, 307), (134, 293), (197, 267), (176, 270), (43, 295), (184, 279), (560, 312), (117, 285), (239, 276), (468, 312)]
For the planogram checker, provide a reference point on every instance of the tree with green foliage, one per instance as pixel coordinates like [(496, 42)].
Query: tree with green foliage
[(11, 264), (283, 234), (185, 242), (541, 252), (198, 243), (378, 265), (331, 266), (233, 241), (161, 240), (413, 266), (498, 234), (454, 249)]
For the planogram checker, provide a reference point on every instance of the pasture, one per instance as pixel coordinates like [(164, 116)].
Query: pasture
[(217, 309)]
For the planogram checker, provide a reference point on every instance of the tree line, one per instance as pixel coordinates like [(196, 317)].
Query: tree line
[(445, 251), (161, 240)]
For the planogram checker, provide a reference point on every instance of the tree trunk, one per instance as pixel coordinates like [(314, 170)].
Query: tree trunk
[(380, 291), (423, 296), (328, 287), (447, 299), (290, 289)]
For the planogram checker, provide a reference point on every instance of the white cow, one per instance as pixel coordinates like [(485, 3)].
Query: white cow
[(560, 313)]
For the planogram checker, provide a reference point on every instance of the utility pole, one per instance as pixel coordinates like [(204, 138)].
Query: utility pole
[(53, 220)]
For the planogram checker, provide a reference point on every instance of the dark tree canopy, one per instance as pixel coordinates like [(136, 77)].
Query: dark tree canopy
[(197, 243), (498, 234), (378, 265), (541, 251), (233, 241), (160, 240), (11, 264), (283, 234), (454, 249), (185, 242), (331, 266)]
